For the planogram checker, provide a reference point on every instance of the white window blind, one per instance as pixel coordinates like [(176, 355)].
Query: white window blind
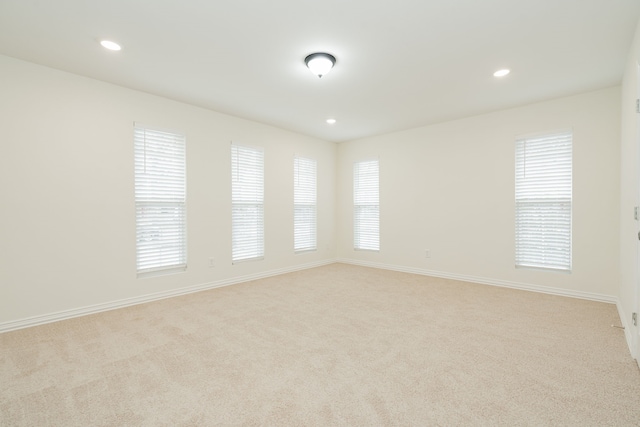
[(304, 201), (160, 197), (247, 200), (543, 201), (366, 209)]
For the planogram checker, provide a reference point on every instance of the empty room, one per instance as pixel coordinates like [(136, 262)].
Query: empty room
[(409, 213)]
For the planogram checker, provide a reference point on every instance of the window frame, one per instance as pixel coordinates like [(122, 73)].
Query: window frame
[(544, 201), (157, 192), (305, 204), (245, 196), (366, 206)]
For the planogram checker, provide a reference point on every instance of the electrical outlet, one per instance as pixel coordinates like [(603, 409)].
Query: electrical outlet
[(427, 253), (212, 262)]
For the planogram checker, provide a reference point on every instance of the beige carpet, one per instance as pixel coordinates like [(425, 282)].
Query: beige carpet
[(331, 346)]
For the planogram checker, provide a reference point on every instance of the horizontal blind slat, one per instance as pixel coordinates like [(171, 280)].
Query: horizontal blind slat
[(366, 199), (304, 202), (247, 203), (160, 196), (543, 201)]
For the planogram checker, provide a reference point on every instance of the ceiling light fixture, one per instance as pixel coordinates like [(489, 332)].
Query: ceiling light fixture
[(331, 121), (320, 63), (110, 45), (501, 73)]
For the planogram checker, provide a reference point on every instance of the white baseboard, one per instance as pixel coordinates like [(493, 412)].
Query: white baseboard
[(624, 319), (482, 280), (628, 330), (97, 308)]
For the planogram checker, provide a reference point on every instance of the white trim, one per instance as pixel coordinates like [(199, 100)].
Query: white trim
[(485, 281), (243, 260), (530, 135), (627, 329), (160, 129), (13, 325), (97, 308)]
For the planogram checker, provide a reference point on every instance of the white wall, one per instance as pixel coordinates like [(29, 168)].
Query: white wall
[(629, 189), (449, 188), (67, 223)]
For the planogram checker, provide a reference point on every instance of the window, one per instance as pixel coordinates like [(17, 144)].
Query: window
[(160, 197), (304, 201), (543, 201), (366, 206), (247, 201)]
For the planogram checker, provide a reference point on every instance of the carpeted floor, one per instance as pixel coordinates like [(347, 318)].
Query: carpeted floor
[(331, 346)]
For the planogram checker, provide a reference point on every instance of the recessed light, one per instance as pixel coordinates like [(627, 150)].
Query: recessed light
[(107, 44), (501, 73), (331, 121)]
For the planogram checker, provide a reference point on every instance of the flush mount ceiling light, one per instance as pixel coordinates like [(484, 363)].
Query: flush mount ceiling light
[(501, 73), (320, 63), (331, 121), (107, 44)]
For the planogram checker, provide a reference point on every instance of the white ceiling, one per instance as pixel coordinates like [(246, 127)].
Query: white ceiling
[(400, 64)]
